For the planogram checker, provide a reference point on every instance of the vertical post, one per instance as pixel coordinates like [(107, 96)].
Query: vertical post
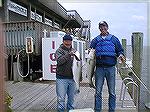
[(44, 33), (35, 14), (43, 17), (2, 70), (124, 45), (137, 50), (53, 21), (0, 3), (29, 11), (6, 11)]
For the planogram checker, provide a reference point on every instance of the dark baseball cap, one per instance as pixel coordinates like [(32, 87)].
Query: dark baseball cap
[(103, 23), (67, 37)]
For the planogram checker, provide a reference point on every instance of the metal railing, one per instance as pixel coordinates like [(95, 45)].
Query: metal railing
[(124, 88), (129, 81)]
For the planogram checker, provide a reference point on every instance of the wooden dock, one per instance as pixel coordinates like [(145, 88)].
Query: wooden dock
[(41, 97)]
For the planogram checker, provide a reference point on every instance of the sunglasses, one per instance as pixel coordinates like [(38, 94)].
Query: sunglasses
[(103, 28)]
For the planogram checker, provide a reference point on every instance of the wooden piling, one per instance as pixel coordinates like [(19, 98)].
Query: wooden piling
[(137, 51), (124, 45)]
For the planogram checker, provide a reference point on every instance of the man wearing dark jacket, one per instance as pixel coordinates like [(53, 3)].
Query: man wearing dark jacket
[(107, 49), (65, 85)]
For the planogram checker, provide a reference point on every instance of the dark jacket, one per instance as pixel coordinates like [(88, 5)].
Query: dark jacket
[(64, 63), (107, 50)]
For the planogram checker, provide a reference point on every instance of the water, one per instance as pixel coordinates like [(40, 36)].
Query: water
[(144, 95)]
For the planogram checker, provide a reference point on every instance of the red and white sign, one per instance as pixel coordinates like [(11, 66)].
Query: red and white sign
[(49, 47)]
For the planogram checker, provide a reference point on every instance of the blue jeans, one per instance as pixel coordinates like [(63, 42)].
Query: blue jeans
[(65, 87), (101, 74)]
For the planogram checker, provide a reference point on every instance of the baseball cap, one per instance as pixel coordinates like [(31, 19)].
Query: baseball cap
[(67, 37), (103, 23)]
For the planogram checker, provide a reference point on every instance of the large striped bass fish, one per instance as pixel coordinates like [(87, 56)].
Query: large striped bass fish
[(77, 70), (91, 61)]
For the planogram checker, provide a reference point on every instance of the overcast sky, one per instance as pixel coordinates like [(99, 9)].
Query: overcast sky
[(123, 18)]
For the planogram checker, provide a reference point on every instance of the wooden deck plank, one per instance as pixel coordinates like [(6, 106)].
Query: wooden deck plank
[(39, 97), (36, 99), (44, 101), (80, 99), (28, 95), (19, 88), (26, 92)]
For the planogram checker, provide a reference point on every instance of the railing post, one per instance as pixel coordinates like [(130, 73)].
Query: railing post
[(137, 50)]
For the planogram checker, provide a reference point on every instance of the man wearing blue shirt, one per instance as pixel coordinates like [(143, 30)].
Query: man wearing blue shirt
[(107, 49)]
